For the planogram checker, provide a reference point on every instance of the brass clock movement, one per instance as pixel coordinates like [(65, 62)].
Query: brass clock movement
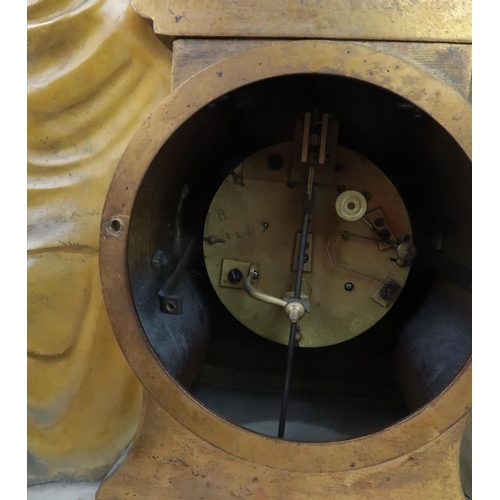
[(358, 249)]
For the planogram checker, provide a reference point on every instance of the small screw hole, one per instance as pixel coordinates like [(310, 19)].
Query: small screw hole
[(170, 307), (351, 205), (116, 225), (275, 161)]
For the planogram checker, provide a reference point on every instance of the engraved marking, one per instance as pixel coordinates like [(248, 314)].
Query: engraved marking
[(221, 214)]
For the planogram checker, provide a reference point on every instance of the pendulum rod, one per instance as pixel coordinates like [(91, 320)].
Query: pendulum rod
[(296, 296), (313, 152)]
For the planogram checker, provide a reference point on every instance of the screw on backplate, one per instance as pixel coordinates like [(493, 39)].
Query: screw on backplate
[(264, 226), (367, 195), (349, 287), (235, 276), (345, 235), (379, 222), (238, 179), (306, 258), (384, 234), (275, 161), (212, 240), (406, 251), (341, 188), (291, 184), (389, 290)]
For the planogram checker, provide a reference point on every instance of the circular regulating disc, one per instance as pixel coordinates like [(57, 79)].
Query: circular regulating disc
[(351, 205)]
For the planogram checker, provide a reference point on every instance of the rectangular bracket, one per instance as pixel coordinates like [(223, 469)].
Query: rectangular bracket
[(227, 266), (170, 304), (378, 220), (387, 293)]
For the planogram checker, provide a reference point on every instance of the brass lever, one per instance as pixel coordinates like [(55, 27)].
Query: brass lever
[(294, 309)]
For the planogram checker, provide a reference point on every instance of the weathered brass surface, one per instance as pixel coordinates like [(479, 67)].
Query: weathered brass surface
[(259, 222), (450, 63), (421, 20), (95, 70), (168, 461), (387, 447)]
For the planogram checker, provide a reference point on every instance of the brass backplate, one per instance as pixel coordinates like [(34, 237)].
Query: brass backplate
[(259, 220)]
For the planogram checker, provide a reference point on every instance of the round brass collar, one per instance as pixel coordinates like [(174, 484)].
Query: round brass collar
[(282, 58)]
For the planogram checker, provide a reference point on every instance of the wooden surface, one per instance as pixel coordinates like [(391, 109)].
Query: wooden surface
[(450, 63), (168, 461), (418, 20)]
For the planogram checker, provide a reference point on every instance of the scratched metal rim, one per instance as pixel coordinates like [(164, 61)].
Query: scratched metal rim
[(347, 59)]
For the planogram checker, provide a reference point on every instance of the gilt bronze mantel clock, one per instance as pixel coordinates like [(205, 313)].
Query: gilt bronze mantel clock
[(285, 254)]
